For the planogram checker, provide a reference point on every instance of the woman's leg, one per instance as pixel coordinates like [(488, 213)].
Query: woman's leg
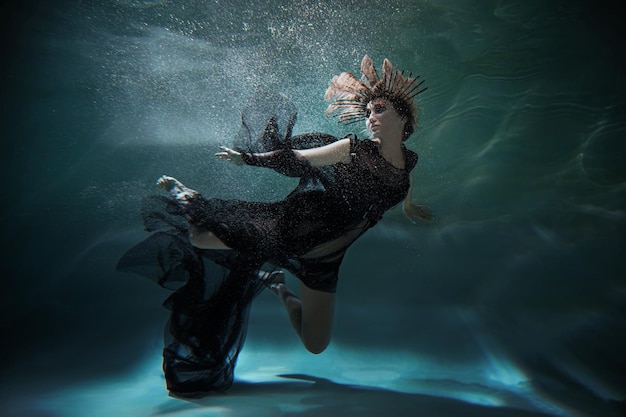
[(203, 239), (311, 315)]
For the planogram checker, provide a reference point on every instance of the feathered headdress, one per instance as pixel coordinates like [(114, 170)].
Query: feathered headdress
[(350, 96)]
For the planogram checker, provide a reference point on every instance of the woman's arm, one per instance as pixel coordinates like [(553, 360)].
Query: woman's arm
[(415, 212), (332, 153)]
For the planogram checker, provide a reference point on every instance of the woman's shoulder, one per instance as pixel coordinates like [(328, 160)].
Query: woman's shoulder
[(360, 145)]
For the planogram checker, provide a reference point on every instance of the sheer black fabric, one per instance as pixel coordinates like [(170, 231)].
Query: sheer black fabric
[(266, 122), (209, 307)]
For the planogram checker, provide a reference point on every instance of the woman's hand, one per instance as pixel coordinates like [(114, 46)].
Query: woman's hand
[(417, 212), (230, 155)]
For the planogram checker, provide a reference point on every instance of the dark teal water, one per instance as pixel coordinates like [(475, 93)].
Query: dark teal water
[(512, 302)]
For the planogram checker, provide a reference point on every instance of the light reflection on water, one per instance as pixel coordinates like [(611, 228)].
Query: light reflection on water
[(340, 376)]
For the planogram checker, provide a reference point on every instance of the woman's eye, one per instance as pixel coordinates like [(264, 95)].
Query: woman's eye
[(379, 109), (368, 112)]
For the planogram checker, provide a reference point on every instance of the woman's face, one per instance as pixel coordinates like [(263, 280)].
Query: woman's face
[(382, 119)]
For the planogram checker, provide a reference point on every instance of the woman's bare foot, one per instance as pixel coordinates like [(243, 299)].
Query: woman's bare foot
[(272, 280), (176, 188)]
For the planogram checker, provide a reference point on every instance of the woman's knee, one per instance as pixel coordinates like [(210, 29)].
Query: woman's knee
[(316, 344)]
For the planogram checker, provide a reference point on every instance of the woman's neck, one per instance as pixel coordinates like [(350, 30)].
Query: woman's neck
[(392, 151)]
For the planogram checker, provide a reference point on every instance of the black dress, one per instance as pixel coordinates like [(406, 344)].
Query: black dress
[(307, 233)]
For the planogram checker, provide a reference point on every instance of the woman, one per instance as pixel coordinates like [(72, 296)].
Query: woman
[(346, 185)]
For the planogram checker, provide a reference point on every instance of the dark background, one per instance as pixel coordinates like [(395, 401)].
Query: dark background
[(521, 147)]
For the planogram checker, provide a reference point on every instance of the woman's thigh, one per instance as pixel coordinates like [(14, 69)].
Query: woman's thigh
[(205, 239)]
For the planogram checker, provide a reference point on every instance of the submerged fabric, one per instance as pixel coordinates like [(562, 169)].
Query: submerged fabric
[(209, 307), (307, 233)]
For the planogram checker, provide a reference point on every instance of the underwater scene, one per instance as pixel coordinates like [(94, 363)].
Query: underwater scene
[(511, 302)]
